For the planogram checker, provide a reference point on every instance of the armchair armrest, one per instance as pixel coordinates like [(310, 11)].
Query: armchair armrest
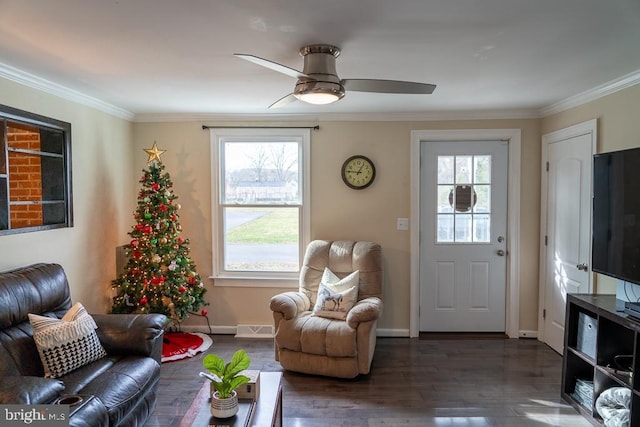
[(290, 304), (139, 334), (365, 310), (29, 390)]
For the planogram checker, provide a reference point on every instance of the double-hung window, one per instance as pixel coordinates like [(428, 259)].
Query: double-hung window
[(260, 203)]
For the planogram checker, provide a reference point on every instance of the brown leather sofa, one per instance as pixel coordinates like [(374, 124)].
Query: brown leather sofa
[(331, 347), (123, 384)]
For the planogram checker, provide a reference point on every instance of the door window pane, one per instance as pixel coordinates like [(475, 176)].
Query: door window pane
[(465, 199), (463, 169), (445, 169)]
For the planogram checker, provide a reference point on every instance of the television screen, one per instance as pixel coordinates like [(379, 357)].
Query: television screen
[(616, 214)]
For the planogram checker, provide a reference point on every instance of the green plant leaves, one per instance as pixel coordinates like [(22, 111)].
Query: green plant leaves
[(228, 374)]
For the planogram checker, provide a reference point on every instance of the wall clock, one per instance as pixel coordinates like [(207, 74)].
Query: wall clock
[(358, 172)]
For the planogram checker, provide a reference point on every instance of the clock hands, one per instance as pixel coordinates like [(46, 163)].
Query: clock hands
[(358, 172)]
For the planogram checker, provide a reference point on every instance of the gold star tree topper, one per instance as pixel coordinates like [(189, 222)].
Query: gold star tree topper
[(154, 153)]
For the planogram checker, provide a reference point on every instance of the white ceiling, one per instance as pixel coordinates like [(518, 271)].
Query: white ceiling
[(165, 58)]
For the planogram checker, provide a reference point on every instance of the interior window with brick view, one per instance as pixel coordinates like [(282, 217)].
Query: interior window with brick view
[(34, 180)]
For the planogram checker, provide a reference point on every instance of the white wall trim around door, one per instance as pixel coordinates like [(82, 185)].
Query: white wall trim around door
[(514, 138)]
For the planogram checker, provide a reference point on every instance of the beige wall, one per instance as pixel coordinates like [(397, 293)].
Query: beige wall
[(618, 129), (103, 198), (336, 211), (108, 158)]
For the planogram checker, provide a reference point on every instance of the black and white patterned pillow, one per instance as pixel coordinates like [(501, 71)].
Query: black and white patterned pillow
[(66, 344)]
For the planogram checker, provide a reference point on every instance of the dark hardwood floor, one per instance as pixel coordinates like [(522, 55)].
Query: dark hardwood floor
[(413, 382)]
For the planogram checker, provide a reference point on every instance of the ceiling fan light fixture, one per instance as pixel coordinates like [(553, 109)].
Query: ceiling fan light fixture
[(318, 98), (318, 93)]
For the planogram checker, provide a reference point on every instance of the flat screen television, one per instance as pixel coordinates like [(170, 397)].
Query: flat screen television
[(616, 215)]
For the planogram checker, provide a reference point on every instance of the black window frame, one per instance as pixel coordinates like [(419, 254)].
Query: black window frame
[(14, 115)]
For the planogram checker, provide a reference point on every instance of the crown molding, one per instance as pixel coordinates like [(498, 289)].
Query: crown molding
[(608, 88), (338, 117), (27, 79)]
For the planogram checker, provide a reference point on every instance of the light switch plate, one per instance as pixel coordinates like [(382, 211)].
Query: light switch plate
[(403, 224)]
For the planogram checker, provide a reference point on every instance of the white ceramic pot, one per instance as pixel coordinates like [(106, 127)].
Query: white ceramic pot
[(224, 408)]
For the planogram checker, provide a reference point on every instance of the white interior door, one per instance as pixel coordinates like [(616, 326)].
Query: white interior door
[(567, 234), (463, 224)]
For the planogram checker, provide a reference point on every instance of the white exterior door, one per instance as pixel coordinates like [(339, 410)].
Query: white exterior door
[(566, 246), (463, 225)]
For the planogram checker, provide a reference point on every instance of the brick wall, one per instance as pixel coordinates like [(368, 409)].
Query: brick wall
[(25, 177)]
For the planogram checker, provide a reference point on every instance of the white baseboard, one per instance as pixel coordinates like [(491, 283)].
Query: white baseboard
[(528, 334), (222, 330), (400, 333)]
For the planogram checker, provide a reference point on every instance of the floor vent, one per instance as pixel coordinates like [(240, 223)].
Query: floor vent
[(254, 331)]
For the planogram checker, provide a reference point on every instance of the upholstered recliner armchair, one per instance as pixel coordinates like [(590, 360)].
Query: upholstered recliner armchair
[(310, 336)]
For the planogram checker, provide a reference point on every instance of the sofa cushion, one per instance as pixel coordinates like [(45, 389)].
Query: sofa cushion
[(123, 385), (68, 343), (317, 335)]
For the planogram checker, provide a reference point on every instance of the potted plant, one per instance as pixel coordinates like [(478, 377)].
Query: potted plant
[(225, 380)]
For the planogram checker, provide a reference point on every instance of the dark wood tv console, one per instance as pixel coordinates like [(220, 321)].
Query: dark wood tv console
[(595, 333)]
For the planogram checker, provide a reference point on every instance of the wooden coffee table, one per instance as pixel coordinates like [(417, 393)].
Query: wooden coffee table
[(267, 411)]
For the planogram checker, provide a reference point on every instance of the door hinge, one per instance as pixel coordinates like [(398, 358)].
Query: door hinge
[(544, 313), (547, 166), (546, 240)]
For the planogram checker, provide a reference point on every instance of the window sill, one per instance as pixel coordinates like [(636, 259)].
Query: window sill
[(251, 281)]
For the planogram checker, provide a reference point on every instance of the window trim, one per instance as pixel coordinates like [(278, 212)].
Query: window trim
[(257, 278), (10, 114)]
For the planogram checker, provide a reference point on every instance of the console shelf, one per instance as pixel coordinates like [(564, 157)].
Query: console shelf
[(601, 350)]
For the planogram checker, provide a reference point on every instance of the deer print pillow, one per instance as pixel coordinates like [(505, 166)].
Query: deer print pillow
[(336, 296)]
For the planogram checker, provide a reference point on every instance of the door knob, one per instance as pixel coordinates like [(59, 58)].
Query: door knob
[(500, 252), (582, 267)]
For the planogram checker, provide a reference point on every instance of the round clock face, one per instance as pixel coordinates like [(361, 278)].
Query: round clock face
[(358, 172)]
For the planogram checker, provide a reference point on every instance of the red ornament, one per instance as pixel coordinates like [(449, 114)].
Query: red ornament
[(191, 280), (163, 207), (174, 217), (146, 229), (204, 312), (182, 289), (155, 280), (143, 300), (155, 186), (180, 240), (137, 254), (139, 226), (135, 243)]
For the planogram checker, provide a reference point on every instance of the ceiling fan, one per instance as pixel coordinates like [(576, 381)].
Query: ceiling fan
[(319, 83)]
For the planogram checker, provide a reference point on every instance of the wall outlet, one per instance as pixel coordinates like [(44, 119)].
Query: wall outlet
[(403, 224)]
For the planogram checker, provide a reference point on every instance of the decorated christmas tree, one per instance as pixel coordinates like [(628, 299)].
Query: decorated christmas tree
[(159, 277)]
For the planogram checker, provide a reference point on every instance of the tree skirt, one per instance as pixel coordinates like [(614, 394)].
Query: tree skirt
[(178, 345)]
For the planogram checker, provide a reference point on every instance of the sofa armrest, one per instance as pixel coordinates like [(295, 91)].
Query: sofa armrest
[(290, 304), (365, 310), (139, 334), (27, 390)]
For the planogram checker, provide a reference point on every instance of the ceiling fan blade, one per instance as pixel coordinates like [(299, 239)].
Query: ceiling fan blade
[(284, 101), (387, 86), (272, 65)]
